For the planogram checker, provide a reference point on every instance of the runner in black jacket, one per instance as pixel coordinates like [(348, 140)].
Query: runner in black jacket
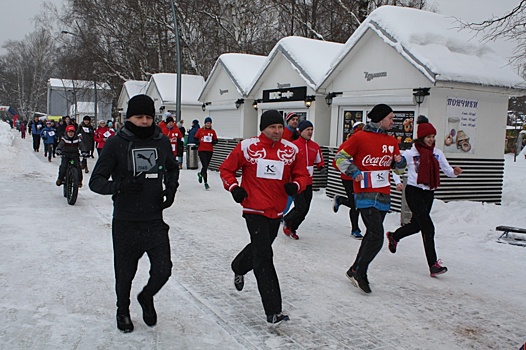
[(138, 159)]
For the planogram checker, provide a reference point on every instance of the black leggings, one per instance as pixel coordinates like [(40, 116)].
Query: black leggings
[(205, 157), (420, 202), (349, 202)]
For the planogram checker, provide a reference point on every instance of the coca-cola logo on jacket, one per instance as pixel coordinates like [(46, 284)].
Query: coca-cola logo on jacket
[(382, 161)]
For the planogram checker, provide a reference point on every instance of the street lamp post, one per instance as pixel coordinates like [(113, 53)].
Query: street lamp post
[(178, 83)]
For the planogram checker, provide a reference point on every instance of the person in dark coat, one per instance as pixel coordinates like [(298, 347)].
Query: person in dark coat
[(144, 179), (87, 135), (36, 128), (193, 130)]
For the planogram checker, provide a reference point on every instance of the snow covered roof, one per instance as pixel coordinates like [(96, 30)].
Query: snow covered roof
[(311, 58), (78, 84), (135, 87), (191, 86), (241, 68), (436, 46)]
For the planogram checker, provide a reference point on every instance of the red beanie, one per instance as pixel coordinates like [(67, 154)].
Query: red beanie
[(424, 130)]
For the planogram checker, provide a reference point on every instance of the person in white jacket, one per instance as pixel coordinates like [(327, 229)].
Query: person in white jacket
[(424, 162)]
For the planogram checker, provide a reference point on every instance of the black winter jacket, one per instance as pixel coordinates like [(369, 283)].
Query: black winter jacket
[(150, 160)]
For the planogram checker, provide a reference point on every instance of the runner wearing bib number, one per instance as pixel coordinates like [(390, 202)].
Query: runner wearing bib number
[(367, 157), (272, 168), (205, 139)]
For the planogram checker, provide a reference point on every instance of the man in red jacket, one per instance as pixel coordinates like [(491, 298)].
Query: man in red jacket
[(313, 157), (367, 157), (272, 169)]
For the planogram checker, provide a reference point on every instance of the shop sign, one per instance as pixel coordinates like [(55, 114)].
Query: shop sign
[(370, 76), (349, 119), (402, 129), (461, 125), (286, 94)]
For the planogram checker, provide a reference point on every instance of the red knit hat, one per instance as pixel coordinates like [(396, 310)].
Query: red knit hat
[(424, 130)]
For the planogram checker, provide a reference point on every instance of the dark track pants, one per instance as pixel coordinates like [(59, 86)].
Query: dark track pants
[(420, 202), (301, 208), (131, 239), (258, 256), (372, 240)]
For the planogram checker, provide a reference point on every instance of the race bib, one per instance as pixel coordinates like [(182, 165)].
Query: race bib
[(207, 138), (173, 147), (310, 169), (86, 129), (107, 134), (51, 133), (375, 179), (270, 169)]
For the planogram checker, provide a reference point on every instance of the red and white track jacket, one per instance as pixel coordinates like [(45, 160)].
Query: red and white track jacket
[(266, 167)]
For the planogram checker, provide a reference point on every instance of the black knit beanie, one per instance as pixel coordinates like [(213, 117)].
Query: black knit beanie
[(140, 105), (379, 112), (270, 117)]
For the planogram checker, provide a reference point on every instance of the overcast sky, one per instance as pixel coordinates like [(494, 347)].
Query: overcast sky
[(17, 16)]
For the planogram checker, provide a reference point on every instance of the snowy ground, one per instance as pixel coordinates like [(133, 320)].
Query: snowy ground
[(56, 273)]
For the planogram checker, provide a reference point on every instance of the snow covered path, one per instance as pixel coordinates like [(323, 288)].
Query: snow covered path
[(57, 292)]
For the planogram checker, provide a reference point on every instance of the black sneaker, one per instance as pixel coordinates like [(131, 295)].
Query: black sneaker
[(336, 203), (437, 269), (124, 322), (359, 281), (277, 318), (392, 242), (239, 282), (148, 310)]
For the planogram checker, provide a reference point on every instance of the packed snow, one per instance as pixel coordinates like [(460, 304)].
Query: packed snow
[(57, 283)]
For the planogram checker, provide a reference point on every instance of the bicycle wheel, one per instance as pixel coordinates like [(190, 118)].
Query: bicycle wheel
[(72, 185)]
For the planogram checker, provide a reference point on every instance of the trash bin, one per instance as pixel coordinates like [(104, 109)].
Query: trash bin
[(191, 156)]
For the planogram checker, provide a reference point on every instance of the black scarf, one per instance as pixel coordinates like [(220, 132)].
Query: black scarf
[(141, 132)]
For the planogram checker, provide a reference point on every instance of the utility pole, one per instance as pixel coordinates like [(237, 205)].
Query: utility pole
[(178, 82)]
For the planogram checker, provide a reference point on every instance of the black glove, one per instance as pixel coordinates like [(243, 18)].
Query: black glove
[(239, 194), (58, 152), (131, 184), (169, 193), (291, 188), (197, 141), (214, 142), (323, 170)]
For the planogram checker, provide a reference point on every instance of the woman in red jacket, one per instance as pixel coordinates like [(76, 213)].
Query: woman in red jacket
[(102, 134), (205, 139)]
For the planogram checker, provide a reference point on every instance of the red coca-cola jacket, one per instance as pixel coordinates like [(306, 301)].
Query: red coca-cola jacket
[(266, 167)]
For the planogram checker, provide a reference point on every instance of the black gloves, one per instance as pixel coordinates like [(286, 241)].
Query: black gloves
[(214, 142), (291, 188), (169, 193), (239, 194), (58, 152), (131, 184), (323, 170), (197, 141)]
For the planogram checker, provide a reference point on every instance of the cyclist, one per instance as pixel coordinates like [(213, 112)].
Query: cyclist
[(69, 147)]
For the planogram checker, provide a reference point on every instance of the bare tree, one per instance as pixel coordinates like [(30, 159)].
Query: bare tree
[(25, 70), (511, 26)]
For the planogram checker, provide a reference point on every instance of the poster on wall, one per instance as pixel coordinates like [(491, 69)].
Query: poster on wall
[(349, 119), (402, 129), (461, 125)]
